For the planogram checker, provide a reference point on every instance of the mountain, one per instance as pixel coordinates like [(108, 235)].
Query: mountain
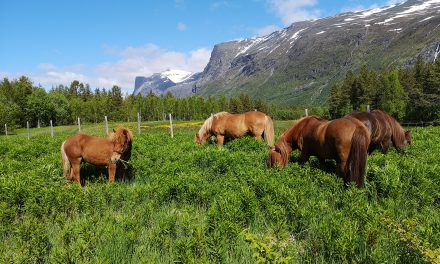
[(178, 82), (295, 65)]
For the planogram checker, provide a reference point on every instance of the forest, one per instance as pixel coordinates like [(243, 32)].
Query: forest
[(408, 94)]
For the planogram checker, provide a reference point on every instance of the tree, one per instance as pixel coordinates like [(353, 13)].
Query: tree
[(393, 98), (245, 102), (38, 107), (339, 100), (62, 114)]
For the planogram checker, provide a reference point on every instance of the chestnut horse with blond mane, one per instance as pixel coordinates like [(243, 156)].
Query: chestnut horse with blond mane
[(345, 140), (96, 151), (384, 129), (226, 126)]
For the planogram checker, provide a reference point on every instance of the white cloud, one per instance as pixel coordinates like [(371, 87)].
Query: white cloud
[(130, 62), (290, 11), (266, 30), (181, 26)]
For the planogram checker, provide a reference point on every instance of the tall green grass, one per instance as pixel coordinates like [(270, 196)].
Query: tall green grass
[(201, 204)]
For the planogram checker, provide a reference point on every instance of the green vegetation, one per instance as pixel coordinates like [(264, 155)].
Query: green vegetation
[(21, 102), (411, 94), (201, 204)]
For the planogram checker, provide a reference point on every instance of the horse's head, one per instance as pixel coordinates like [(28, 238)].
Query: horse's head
[(407, 138), (122, 141), (201, 139), (277, 156)]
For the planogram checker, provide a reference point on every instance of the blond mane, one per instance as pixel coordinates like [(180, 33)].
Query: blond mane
[(206, 127), (119, 131)]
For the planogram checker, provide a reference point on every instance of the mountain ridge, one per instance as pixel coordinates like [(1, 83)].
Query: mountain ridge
[(295, 65)]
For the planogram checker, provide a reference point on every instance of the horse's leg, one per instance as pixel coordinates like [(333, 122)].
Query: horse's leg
[(123, 170), (258, 133), (220, 140), (385, 145), (303, 157), (258, 137), (75, 172), (344, 171), (111, 172)]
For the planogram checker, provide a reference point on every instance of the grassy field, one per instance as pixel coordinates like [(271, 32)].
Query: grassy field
[(192, 204)]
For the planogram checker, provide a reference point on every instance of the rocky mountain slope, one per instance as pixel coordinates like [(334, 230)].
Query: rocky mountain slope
[(296, 65)]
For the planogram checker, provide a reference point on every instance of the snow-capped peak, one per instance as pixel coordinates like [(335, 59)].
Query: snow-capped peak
[(176, 76)]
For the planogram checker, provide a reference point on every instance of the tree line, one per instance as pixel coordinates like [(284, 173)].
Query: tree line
[(410, 94), (22, 102)]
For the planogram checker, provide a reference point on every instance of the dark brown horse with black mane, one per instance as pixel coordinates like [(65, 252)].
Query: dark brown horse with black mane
[(96, 151), (384, 129), (226, 126), (345, 140)]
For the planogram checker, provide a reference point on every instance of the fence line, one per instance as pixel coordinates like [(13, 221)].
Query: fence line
[(28, 132), (421, 124)]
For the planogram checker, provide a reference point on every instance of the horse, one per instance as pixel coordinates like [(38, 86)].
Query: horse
[(226, 126), (96, 151), (384, 129), (345, 140)]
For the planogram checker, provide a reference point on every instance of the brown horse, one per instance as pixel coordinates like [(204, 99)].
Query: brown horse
[(226, 126), (384, 129), (345, 140), (97, 151)]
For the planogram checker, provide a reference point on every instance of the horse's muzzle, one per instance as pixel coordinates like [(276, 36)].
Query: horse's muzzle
[(115, 157)]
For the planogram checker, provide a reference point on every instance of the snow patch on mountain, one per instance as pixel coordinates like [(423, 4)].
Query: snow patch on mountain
[(176, 76)]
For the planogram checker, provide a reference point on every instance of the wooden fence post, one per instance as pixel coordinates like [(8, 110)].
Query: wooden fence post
[(368, 108), (28, 132), (171, 125), (79, 124), (51, 128), (106, 125), (307, 112), (6, 129)]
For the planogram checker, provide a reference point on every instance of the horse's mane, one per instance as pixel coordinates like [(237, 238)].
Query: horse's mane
[(281, 148), (292, 132), (119, 131), (398, 133), (208, 123)]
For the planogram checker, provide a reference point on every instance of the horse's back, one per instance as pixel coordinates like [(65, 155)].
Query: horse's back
[(340, 131)]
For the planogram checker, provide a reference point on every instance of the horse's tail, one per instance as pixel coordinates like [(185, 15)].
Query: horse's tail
[(269, 134), (66, 163), (357, 159)]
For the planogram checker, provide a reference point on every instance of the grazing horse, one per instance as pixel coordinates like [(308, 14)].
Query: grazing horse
[(384, 129), (345, 140), (97, 151), (226, 126)]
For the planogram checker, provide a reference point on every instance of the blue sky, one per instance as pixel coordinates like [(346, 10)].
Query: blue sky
[(110, 42)]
